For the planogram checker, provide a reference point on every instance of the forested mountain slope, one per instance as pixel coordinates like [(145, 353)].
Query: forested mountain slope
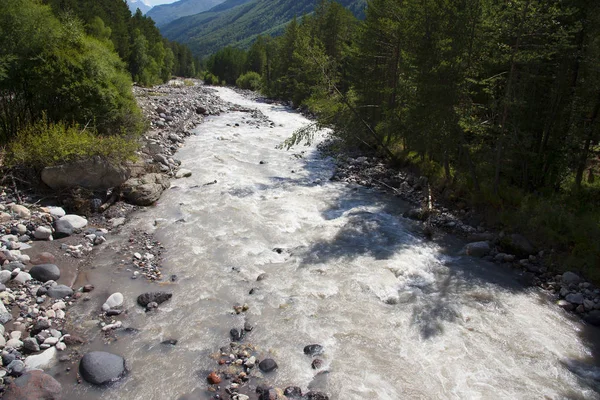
[(135, 4), (224, 25), (165, 13)]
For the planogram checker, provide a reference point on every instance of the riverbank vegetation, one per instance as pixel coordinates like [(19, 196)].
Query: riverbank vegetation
[(496, 102), (66, 73)]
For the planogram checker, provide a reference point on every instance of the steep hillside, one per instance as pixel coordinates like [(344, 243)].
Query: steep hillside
[(165, 13), (238, 22), (135, 4)]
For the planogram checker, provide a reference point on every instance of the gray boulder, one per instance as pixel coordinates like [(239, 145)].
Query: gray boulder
[(60, 291), (63, 228), (593, 318), (570, 278), (94, 174), (477, 249), (45, 272), (99, 367), (153, 297), (575, 298), (145, 190), (76, 221)]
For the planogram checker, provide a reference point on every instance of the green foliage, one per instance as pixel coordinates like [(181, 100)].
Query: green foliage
[(45, 144), (211, 79), (250, 80), (228, 63)]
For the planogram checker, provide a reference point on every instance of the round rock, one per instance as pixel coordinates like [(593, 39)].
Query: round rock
[(60, 291), (45, 272), (100, 367), (313, 350), (42, 233), (267, 365), (115, 300), (34, 385)]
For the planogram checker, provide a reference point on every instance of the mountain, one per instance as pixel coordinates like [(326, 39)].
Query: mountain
[(238, 22), (135, 4), (165, 13)]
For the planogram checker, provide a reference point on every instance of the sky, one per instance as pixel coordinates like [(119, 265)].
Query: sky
[(157, 2)]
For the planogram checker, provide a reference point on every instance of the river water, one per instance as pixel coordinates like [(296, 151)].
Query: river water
[(399, 317)]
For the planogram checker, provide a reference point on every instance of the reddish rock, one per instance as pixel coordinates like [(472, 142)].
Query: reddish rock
[(2, 258), (72, 339), (34, 385), (317, 363), (213, 379), (43, 258)]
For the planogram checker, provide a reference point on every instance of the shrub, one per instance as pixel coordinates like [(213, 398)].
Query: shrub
[(250, 81), (211, 79), (46, 143)]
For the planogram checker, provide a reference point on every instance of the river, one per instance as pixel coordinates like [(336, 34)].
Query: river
[(399, 317)]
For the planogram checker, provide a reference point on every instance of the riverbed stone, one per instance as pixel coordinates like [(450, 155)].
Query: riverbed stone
[(267, 365), (63, 228), (145, 190), (477, 249), (94, 173), (42, 233), (570, 278), (46, 359), (76, 221), (5, 276), (34, 385), (575, 298), (293, 392), (115, 300), (20, 211), (45, 272), (316, 396), (43, 258), (183, 173), (22, 277), (153, 297), (60, 291), (31, 345), (100, 367), (565, 305)]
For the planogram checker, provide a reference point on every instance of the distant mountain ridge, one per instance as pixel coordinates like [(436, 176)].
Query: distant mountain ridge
[(238, 22), (165, 13), (135, 4)]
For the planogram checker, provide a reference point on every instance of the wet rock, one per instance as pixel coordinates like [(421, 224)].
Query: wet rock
[(16, 368), (45, 272), (593, 318), (99, 367), (477, 249), (171, 342), (60, 291), (316, 396), (183, 173), (112, 313), (88, 288), (313, 350), (235, 334), (94, 173), (153, 297), (565, 305), (248, 326), (39, 326), (115, 300), (267, 365), (145, 190), (31, 345), (317, 363), (76, 221), (43, 360), (34, 385), (213, 379), (293, 392), (262, 277), (72, 339)]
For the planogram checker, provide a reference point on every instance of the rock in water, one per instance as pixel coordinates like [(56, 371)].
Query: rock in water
[(94, 174), (45, 272), (99, 367), (34, 385), (115, 300), (60, 291), (593, 318), (477, 249), (293, 392), (183, 173), (153, 297), (144, 191), (267, 365), (316, 396), (313, 350)]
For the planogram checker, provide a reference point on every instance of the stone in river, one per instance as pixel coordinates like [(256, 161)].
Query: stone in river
[(313, 350), (317, 363), (183, 173), (171, 342), (45, 272), (153, 297), (235, 335), (114, 301), (213, 379), (100, 367), (477, 249), (34, 385), (293, 392), (267, 365), (593, 318), (316, 396), (60, 291)]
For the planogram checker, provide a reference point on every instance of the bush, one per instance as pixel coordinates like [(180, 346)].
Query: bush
[(45, 144), (211, 79), (250, 81)]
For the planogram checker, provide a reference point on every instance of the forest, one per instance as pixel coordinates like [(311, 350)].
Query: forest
[(497, 102), (66, 74)]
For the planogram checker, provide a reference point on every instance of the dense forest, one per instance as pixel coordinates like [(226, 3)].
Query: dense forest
[(67, 66), (497, 102)]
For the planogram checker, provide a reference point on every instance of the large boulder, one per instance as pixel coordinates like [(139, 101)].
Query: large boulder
[(477, 249), (94, 173), (76, 221), (145, 190), (518, 245), (34, 385), (45, 272), (100, 367)]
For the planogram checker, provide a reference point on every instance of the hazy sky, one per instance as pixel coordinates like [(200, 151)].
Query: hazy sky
[(157, 2)]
